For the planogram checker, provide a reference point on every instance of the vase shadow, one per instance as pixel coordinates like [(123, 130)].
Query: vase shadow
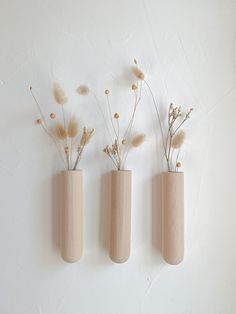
[(56, 201), (105, 211), (156, 214)]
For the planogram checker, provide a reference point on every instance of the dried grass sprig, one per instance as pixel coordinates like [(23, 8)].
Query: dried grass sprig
[(86, 136)]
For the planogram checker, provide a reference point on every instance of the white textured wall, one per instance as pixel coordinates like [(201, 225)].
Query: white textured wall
[(187, 49)]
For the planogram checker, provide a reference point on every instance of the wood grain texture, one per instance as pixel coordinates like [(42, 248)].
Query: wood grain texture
[(173, 217), (120, 216), (71, 222)]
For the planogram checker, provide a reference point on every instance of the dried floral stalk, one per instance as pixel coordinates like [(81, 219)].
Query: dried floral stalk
[(119, 149), (62, 134), (174, 138)]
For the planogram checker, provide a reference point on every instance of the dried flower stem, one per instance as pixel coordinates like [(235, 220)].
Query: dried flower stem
[(174, 114), (78, 157), (110, 114), (65, 126), (102, 113), (177, 158), (45, 127), (128, 131), (157, 112), (120, 147)]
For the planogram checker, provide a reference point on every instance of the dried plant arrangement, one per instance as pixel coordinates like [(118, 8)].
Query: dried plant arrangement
[(172, 180), (123, 142), (174, 137), (64, 132)]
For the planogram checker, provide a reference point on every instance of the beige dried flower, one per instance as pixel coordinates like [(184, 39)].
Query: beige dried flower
[(178, 164), (138, 140), (116, 115), (178, 140), (59, 94), (60, 131), (134, 87), (107, 91), (52, 115), (72, 127), (83, 90), (138, 73), (123, 142), (87, 134)]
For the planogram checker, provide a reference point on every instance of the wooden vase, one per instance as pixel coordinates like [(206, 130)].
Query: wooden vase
[(120, 234), (173, 217), (71, 224)]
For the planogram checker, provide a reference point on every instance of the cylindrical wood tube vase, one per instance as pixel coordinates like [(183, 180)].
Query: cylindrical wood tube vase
[(173, 217), (120, 233), (71, 224)]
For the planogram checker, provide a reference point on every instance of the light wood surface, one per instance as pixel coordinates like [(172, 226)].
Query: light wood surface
[(120, 216), (173, 217), (71, 224)]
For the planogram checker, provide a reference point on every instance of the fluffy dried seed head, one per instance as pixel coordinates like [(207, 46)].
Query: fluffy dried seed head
[(138, 140), (138, 73), (83, 90), (107, 91), (178, 140), (72, 128), (134, 87), (87, 134), (52, 115), (60, 131), (59, 94), (116, 115), (178, 164)]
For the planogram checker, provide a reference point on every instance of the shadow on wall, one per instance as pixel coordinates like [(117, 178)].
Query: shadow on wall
[(105, 214), (56, 200), (156, 214)]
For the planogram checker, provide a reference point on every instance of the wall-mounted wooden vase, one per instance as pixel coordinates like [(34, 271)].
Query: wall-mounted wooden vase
[(71, 218), (173, 217), (120, 235)]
